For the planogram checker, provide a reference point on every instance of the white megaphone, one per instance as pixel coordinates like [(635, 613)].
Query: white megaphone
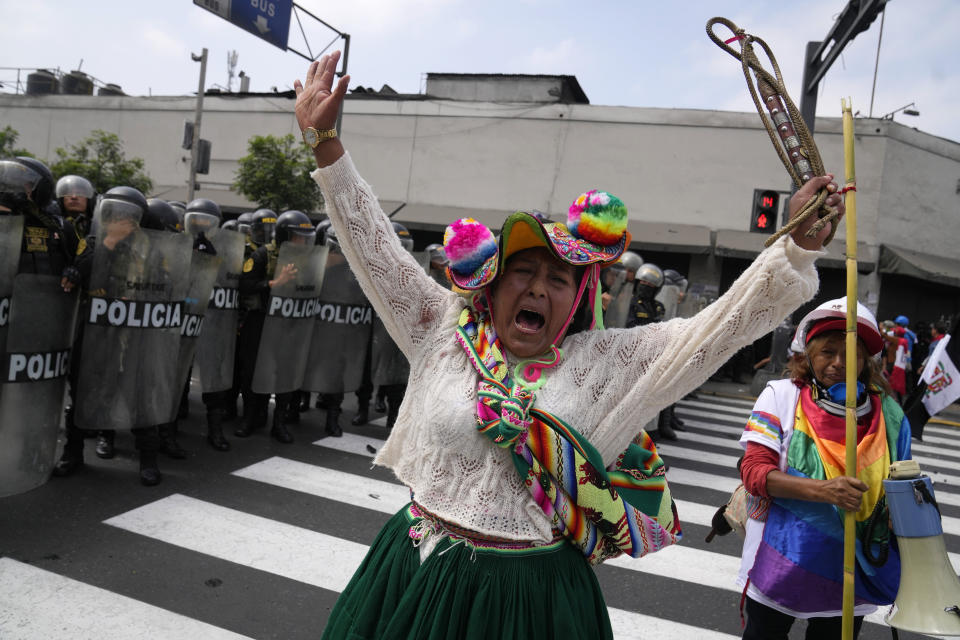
[(928, 600)]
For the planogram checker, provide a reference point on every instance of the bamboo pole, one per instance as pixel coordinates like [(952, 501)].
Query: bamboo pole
[(849, 533)]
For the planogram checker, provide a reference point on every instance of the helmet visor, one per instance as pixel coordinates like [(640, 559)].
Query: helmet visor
[(74, 186), (302, 236), (263, 231), (111, 210), (17, 179), (197, 222)]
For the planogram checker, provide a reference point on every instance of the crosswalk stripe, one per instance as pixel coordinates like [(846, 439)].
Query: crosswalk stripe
[(300, 554), (736, 412), (261, 543), (349, 488), (944, 479), (732, 442), (35, 603)]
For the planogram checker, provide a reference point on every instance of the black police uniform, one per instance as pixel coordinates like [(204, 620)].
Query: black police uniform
[(258, 270)]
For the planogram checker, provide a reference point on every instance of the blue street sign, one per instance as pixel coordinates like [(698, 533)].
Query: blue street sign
[(266, 19)]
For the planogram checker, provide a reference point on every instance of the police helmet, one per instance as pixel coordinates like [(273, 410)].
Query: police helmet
[(232, 225), (404, 234), (202, 216), (243, 223), (326, 234), (75, 186), (437, 254), (262, 225), (126, 203), (675, 278), (294, 226), (162, 211), (631, 261), (24, 180), (650, 275)]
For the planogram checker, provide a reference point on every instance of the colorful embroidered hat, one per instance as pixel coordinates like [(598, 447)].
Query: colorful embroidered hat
[(596, 232)]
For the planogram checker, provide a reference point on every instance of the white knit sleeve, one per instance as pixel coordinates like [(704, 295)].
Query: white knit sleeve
[(660, 363), (410, 303)]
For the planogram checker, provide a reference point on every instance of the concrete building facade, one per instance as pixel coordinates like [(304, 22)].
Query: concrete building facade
[(687, 176)]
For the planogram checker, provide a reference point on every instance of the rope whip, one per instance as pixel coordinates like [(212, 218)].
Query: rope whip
[(788, 132)]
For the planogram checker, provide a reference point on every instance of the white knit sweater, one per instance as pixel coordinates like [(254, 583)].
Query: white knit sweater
[(608, 385)]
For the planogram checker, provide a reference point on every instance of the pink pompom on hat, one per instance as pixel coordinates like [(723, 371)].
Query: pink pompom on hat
[(596, 232)]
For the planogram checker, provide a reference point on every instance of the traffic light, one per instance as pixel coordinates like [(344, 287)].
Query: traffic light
[(766, 205)]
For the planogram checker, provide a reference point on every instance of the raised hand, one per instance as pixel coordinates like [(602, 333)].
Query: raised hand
[(800, 198), (318, 103)]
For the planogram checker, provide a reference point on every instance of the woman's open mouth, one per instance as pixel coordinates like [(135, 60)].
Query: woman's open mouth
[(529, 321)]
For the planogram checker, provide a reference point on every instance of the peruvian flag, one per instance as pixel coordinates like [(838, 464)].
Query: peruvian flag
[(942, 378), (938, 387)]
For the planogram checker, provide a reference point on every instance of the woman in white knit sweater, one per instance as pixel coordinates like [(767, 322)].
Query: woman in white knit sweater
[(517, 440)]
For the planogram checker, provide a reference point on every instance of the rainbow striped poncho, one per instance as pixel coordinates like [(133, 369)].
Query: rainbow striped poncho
[(798, 566)]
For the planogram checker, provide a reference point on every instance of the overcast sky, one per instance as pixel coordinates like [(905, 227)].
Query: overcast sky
[(633, 53)]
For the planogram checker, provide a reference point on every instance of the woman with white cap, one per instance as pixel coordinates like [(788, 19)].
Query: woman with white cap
[(518, 435), (792, 565)]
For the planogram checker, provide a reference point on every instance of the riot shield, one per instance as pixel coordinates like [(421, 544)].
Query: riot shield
[(203, 272), (341, 334), (615, 317), (133, 320), (11, 233), (35, 364), (218, 341), (288, 325), (388, 365)]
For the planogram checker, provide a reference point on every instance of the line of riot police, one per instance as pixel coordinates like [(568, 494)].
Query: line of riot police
[(127, 299)]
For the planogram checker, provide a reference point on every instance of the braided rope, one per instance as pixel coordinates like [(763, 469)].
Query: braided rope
[(788, 132)]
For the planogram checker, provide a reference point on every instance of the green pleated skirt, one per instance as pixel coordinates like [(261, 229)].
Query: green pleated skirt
[(467, 592)]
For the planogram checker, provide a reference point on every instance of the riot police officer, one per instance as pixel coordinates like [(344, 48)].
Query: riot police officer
[(262, 227), (243, 223), (645, 308), (37, 272), (180, 209), (121, 212), (76, 197), (258, 278), (49, 244)]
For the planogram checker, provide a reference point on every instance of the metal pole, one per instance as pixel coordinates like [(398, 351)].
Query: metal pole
[(194, 146), (849, 521), (808, 99), (343, 72), (876, 63)]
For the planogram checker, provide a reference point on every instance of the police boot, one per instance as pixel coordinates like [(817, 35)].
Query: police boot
[(168, 442), (304, 401), (254, 415), (215, 431), (149, 472), (333, 423), (105, 447), (380, 405), (279, 430), (393, 408), (664, 430), (362, 417), (72, 458), (672, 420)]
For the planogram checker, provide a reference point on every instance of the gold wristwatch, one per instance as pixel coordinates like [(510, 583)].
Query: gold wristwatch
[(314, 137)]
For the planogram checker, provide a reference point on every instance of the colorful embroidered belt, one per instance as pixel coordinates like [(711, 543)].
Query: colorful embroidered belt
[(438, 526)]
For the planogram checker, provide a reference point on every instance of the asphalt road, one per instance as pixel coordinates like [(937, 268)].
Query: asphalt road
[(257, 542)]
